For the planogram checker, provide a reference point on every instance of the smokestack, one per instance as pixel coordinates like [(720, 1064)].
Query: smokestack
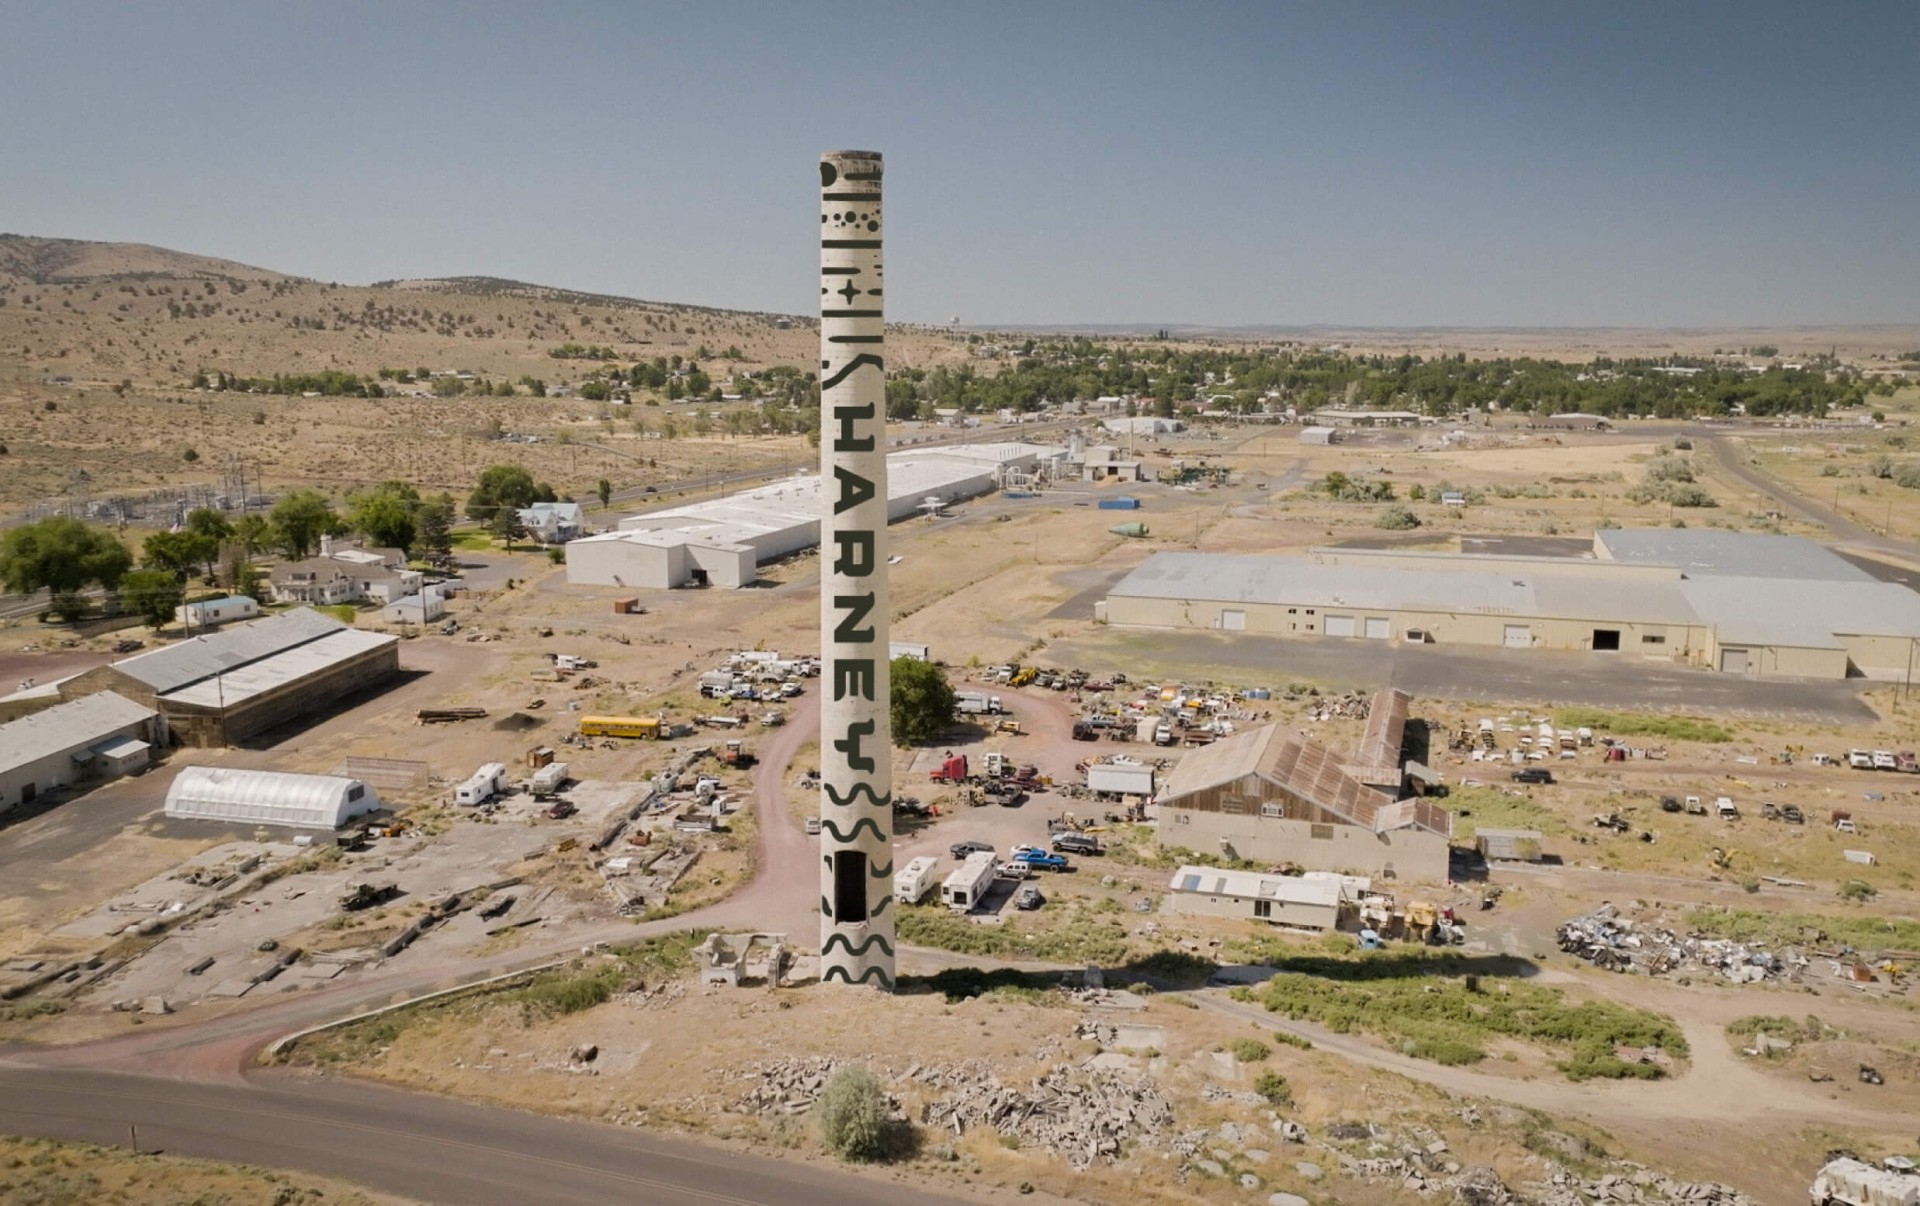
[(856, 802)]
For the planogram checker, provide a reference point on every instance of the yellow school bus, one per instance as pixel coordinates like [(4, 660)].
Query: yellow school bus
[(620, 726)]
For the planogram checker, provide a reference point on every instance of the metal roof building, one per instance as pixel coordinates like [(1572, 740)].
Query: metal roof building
[(62, 746), (1735, 602), (721, 541), (1314, 901), (246, 678)]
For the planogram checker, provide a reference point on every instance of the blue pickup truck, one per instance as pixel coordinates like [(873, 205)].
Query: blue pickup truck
[(1042, 860)]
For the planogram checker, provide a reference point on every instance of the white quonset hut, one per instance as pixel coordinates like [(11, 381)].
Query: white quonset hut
[(722, 541), (218, 793)]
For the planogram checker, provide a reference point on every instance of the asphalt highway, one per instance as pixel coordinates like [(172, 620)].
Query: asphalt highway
[(429, 1148)]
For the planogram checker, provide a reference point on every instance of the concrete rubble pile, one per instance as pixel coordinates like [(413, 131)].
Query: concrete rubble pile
[(1082, 1117), (785, 1086), (1427, 1172), (1607, 940)]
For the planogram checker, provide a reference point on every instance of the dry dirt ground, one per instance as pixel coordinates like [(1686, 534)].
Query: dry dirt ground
[(986, 585), (42, 1171)]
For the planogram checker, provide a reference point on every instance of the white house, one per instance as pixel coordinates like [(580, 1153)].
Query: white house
[(423, 608), (554, 522), (346, 575)]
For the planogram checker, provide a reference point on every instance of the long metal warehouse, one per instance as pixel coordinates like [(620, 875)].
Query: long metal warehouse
[(721, 542), (1747, 604)]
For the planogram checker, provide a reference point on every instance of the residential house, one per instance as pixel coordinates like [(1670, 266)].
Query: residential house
[(346, 575), (553, 522)]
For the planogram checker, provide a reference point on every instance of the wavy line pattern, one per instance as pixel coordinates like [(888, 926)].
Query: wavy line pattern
[(854, 794), (880, 872), (847, 369), (853, 832), (856, 952), (886, 902), (843, 975)]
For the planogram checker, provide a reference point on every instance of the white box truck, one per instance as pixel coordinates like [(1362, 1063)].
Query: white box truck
[(1121, 778), (968, 882), (976, 703), (911, 882), (486, 783)]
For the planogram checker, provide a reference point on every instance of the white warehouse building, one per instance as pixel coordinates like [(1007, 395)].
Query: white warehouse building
[(218, 793), (723, 541), (97, 737)]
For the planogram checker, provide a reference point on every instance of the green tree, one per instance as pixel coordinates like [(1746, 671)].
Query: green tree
[(920, 702), (210, 530), (604, 489), (152, 594), (300, 519), (508, 486), (252, 532), (388, 514), (852, 1111), (63, 555), (176, 553), (434, 521), (506, 526)]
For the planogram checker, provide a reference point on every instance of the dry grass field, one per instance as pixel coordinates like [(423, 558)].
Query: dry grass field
[(41, 1172), (128, 327)]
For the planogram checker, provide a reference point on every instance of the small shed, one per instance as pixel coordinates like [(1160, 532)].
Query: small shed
[(1319, 435), (1510, 845), (424, 608)]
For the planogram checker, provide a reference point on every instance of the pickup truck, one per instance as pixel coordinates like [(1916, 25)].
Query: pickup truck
[(1042, 860)]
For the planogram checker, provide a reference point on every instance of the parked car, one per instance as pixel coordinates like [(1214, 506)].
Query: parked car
[(1533, 774), (1013, 869), (1859, 759), (1791, 814), (1043, 860), (1076, 843), (561, 810), (1028, 898), (1669, 804), (961, 850)]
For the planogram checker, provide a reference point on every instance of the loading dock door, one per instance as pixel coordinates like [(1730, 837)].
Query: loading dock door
[(1378, 628), (1340, 626), (1733, 661), (1517, 636), (1606, 640), (1233, 621)]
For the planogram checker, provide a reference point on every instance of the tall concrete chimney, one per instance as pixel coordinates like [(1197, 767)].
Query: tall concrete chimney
[(856, 801)]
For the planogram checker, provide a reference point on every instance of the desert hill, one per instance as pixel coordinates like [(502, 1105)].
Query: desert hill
[(101, 345), (27, 259)]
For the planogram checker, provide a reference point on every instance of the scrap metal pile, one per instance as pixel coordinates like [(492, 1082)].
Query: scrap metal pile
[(1615, 943)]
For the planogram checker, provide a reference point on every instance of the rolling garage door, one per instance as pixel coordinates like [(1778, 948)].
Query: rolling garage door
[(1733, 661), (1378, 628), (1340, 626), (1516, 636), (1233, 621)]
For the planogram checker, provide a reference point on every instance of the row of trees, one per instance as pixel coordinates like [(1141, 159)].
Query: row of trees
[(1242, 378)]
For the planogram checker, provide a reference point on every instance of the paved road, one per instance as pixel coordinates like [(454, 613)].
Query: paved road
[(1492, 675), (430, 1148)]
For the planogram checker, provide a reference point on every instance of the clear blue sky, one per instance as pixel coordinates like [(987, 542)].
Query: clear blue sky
[(1536, 164)]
